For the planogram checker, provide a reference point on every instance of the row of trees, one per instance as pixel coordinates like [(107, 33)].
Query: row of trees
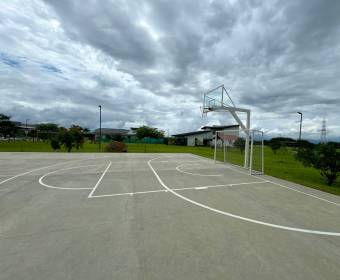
[(43, 131), (278, 143), (59, 137), (68, 138)]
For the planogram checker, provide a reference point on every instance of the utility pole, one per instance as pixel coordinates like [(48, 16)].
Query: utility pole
[(100, 127), (26, 129), (300, 125), (323, 138)]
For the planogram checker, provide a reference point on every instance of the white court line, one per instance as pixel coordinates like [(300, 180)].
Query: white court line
[(182, 161), (27, 172), (48, 166), (100, 179), (308, 194), (62, 188), (237, 216), (200, 188), (127, 193), (195, 174), (283, 186), (176, 189)]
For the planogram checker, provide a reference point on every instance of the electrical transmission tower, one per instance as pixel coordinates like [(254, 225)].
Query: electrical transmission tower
[(323, 138)]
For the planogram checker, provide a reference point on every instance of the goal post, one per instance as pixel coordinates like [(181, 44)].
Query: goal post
[(238, 146)]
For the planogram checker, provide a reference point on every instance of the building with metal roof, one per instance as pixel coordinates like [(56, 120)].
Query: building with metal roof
[(203, 137)]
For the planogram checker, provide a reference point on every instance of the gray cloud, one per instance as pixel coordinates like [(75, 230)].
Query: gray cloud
[(111, 26), (149, 62)]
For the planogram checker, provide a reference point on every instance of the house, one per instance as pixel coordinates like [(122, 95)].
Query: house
[(203, 137)]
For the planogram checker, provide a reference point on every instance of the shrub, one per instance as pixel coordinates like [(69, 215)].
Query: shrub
[(115, 147), (55, 144)]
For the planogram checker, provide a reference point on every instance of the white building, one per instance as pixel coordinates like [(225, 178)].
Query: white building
[(203, 137)]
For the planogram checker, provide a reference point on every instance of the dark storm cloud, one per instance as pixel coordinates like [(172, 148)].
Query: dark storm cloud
[(185, 30), (150, 61), (110, 26)]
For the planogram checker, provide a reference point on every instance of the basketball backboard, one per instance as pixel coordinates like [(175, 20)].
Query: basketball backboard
[(217, 98)]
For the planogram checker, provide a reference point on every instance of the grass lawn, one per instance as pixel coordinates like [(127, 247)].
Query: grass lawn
[(28, 146), (281, 165)]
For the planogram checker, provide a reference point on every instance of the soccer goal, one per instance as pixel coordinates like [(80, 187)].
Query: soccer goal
[(230, 147)]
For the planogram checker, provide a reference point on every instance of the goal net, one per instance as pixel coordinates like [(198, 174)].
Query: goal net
[(231, 146)]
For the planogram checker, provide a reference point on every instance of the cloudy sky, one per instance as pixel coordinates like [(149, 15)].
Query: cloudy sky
[(149, 62)]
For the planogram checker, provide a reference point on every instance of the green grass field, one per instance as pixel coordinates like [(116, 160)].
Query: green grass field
[(281, 165), (28, 146)]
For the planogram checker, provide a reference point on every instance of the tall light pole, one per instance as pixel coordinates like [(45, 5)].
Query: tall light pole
[(26, 129), (100, 127), (300, 125)]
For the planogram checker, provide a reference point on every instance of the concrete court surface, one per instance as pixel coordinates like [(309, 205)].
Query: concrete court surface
[(159, 216)]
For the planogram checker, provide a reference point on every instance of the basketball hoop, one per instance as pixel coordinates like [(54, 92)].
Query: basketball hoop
[(203, 112), (219, 100)]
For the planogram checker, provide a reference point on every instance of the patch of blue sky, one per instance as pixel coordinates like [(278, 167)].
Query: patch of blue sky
[(51, 68), (10, 60)]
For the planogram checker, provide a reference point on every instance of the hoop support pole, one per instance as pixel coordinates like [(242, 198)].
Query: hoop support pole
[(215, 147), (251, 153)]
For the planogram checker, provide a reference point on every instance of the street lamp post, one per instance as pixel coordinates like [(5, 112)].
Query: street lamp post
[(26, 129), (100, 127), (300, 125)]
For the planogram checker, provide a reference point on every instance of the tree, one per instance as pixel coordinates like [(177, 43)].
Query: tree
[(146, 131), (65, 138), (47, 130), (323, 157), (86, 131), (7, 128), (275, 144), (88, 134), (69, 138), (305, 144), (77, 133)]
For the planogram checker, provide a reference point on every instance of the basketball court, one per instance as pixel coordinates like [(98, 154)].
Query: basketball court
[(159, 216)]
